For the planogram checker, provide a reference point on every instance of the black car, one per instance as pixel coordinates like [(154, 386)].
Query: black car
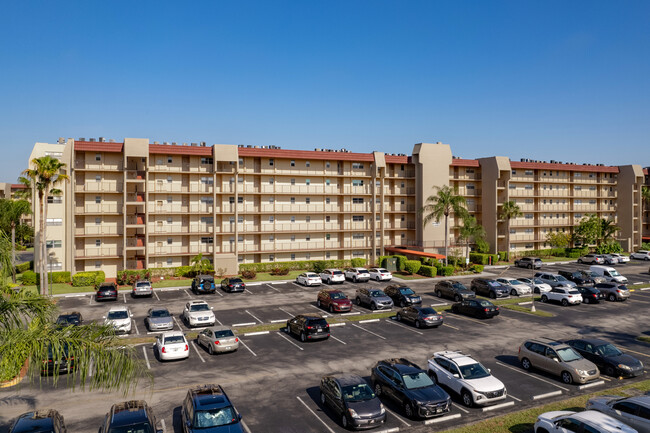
[(590, 295), (208, 409), (421, 317), (69, 319), (353, 400), (59, 360), (410, 387), (453, 290), (479, 308), (490, 288), (402, 295), (607, 357), (308, 327), (233, 285), (529, 262), (106, 291), (45, 420), (130, 416), (203, 284), (577, 277)]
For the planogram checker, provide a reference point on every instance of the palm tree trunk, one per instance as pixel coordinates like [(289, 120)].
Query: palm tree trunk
[(41, 242), (45, 279), (446, 238), (13, 252)]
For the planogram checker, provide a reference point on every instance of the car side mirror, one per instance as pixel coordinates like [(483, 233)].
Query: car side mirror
[(239, 416), (131, 315), (103, 317), (212, 308), (555, 359), (489, 370), (456, 375)]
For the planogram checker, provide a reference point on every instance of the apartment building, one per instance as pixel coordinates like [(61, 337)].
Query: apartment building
[(136, 204)]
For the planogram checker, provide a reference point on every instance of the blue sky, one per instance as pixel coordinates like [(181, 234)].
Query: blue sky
[(563, 80)]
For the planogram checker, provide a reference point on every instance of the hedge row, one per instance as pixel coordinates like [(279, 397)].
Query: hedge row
[(428, 271), (482, 259), (412, 266), (31, 278), (294, 265), (128, 277), (23, 267), (90, 278)]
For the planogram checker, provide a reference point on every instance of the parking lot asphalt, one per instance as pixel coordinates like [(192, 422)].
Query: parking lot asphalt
[(273, 378)]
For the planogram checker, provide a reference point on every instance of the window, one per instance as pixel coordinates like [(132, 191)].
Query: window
[(578, 201), (271, 238), (401, 167), (358, 165), (577, 174), (592, 188), (357, 218), (327, 255), (528, 187), (327, 236), (293, 219), (307, 200), (591, 175), (529, 216), (293, 200), (528, 172), (170, 241), (327, 182), (293, 163), (169, 199), (170, 220), (98, 157), (170, 261), (378, 235), (307, 164), (270, 162), (402, 218), (240, 199), (207, 200), (327, 218), (578, 215), (308, 219), (98, 178), (240, 179), (271, 258), (207, 220), (308, 238), (293, 257), (231, 180), (513, 231), (512, 186), (357, 235), (357, 200), (240, 219), (169, 160), (378, 200), (240, 239), (577, 188), (270, 200), (402, 185), (470, 186), (307, 181), (467, 170), (169, 179), (98, 264), (528, 231), (293, 238), (327, 200), (241, 162), (357, 182), (206, 160), (270, 181), (270, 218), (231, 200), (206, 180), (327, 164), (240, 259), (232, 220), (56, 199), (514, 171), (529, 201), (98, 221), (98, 242), (53, 244), (98, 199), (293, 181), (592, 201), (307, 256)]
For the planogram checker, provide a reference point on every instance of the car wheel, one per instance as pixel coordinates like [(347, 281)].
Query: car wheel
[(513, 292), (358, 300), (567, 378), (322, 398), (493, 295), (318, 303), (287, 329), (417, 324), (398, 317), (544, 298), (457, 298), (303, 337), (530, 266), (439, 293), (378, 390), (373, 306), (331, 309), (565, 302), (408, 410), (344, 421), (402, 304), (467, 398), (354, 279), (210, 350), (611, 297), (525, 363), (610, 371), (377, 278), (646, 258), (536, 290), (580, 261)]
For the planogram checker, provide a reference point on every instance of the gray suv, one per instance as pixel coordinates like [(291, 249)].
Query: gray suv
[(613, 291), (555, 280), (453, 290), (375, 298)]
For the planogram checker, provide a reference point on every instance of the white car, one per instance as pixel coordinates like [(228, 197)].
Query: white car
[(641, 255), (120, 319), (380, 274), (621, 258), (357, 274), (331, 276), (171, 345), (563, 295), (537, 284), (466, 377), (198, 313), (633, 411), (565, 421), (308, 279), (517, 288)]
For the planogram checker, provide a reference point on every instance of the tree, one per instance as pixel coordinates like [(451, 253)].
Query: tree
[(558, 239), (444, 203), (45, 176), (509, 210), (471, 229), (11, 212), (25, 193), (607, 231), (200, 265), (645, 195), (588, 229)]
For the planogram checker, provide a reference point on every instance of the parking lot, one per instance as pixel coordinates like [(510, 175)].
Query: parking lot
[(273, 378)]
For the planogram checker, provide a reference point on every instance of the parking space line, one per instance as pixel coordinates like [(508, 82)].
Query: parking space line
[(291, 342), (273, 288), (369, 332), (187, 293), (548, 394), (124, 296), (643, 302), (397, 417), (528, 374), (155, 293), (442, 419), (513, 397), (248, 291), (318, 308), (314, 413), (459, 407), (251, 314), (352, 313), (589, 385), (456, 316), (403, 326), (243, 424), (340, 341), (449, 326), (278, 321), (137, 331), (439, 305), (90, 300), (369, 321), (243, 324), (162, 423), (497, 406), (146, 357), (337, 324), (638, 353), (218, 292), (282, 309), (257, 333), (197, 350), (247, 348), (180, 328)]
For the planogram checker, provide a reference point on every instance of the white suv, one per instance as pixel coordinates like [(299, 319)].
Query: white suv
[(357, 274), (466, 377), (641, 255), (563, 295), (380, 274), (331, 276), (198, 313), (120, 319)]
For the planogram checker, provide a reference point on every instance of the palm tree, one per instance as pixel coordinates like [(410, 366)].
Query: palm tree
[(445, 202), (25, 193), (607, 231), (509, 210), (645, 195), (471, 229), (45, 176), (11, 211), (200, 265)]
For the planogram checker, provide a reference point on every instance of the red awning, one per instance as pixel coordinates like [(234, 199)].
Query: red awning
[(413, 253)]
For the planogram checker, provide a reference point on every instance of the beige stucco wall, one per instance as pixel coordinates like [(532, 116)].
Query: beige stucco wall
[(629, 209), (494, 169)]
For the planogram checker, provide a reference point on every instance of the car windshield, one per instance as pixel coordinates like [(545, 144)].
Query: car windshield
[(199, 307), (376, 293), (485, 303), (591, 274), (116, 315), (171, 339), (223, 333), (406, 291), (364, 271), (68, 320), (144, 427), (459, 286), (207, 280), (473, 371), (608, 350), (560, 278), (538, 280), (515, 283), (567, 354), (338, 295), (614, 273), (417, 380), (317, 322), (427, 311), (359, 392), (494, 283), (214, 417), (159, 313), (576, 274)]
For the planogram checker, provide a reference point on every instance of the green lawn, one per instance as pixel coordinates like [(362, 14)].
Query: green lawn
[(173, 283), (266, 276), (643, 338)]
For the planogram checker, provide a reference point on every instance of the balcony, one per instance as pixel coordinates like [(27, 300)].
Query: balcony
[(135, 242), (98, 253), (135, 198), (136, 220), (103, 187), (135, 175), (135, 264), (98, 230), (94, 208)]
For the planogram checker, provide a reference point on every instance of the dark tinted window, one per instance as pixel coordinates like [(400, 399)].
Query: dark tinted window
[(223, 334), (316, 322), (427, 311), (626, 406)]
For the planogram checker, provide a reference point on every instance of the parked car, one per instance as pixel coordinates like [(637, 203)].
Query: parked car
[(357, 274), (402, 295), (331, 276), (453, 290), (308, 279), (609, 359), (171, 345), (353, 400), (610, 259), (421, 317), (633, 411), (43, 420), (597, 259), (234, 284), (380, 274), (564, 295), (466, 377), (375, 298), (594, 276), (106, 291), (119, 318), (159, 319), (333, 300), (203, 284), (517, 288), (641, 255), (621, 258), (59, 360), (489, 288), (198, 313), (70, 319), (610, 274), (218, 339), (142, 288), (557, 358), (536, 284), (590, 295), (130, 416), (207, 409), (578, 277), (613, 291), (529, 262), (308, 327), (479, 308), (566, 421), (410, 388), (554, 280)]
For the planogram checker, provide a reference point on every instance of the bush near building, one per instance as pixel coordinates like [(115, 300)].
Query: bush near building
[(249, 274), (448, 271), (412, 266), (483, 259), (129, 277), (292, 266), (23, 267), (428, 271), (91, 278), (30, 278)]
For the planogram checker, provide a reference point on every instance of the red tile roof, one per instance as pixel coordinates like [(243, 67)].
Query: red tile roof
[(566, 167), (98, 146), (18, 186), (459, 162), (413, 252)]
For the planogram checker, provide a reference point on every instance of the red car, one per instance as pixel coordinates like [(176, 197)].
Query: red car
[(333, 300)]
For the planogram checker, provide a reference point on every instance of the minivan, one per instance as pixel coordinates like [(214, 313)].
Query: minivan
[(609, 273)]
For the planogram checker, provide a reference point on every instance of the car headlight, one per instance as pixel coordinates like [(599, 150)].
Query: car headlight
[(624, 367), (582, 372), (353, 413), (382, 409)]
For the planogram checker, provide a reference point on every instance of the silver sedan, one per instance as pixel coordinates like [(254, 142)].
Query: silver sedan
[(516, 287), (218, 339), (159, 319)]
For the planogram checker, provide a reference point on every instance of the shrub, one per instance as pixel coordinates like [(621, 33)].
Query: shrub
[(30, 278), (381, 261), (280, 270), (100, 277), (128, 277), (60, 277), (400, 261), (249, 274), (428, 271), (482, 246), (184, 271), (477, 269), (31, 265), (478, 258), (358, 263), (412, 266), (608, 248), (447, 271), (504, 255), (163, 272), (291, 266), (22, 267), (320, 265), (645, 246), (83, 279)]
